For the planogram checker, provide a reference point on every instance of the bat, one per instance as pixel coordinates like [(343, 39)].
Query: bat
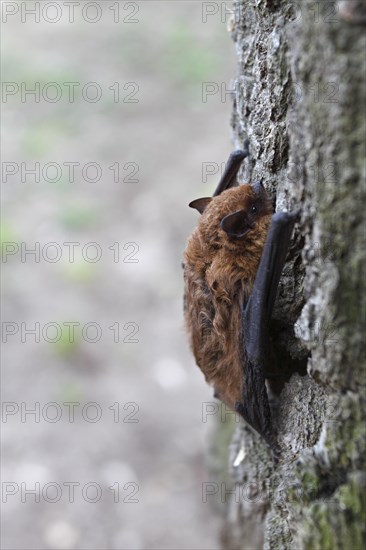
[(232, 266)]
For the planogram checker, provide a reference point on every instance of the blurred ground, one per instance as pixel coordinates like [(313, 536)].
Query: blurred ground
[(168, 52)]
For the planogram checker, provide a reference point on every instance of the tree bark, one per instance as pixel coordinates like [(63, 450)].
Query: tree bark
[(300, 99)]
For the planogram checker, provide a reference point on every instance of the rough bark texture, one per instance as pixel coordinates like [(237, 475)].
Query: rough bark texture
[(300, 96)]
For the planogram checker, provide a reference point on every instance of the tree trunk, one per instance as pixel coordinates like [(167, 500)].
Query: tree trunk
[(300, 99)]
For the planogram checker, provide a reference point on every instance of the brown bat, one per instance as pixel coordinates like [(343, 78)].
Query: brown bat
[(232, 265)]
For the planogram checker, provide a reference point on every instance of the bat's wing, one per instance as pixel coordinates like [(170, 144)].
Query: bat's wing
[(256, 318), (228, 178)]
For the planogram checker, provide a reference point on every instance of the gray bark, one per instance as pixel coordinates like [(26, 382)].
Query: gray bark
[(300, 99)]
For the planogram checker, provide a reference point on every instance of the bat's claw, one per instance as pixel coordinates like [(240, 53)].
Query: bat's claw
[(239, 154), (269, 436), (286, 218)]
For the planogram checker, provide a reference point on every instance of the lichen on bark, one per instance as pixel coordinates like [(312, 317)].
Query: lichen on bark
[(300, 99)]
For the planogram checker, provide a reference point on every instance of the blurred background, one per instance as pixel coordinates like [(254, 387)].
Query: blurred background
[(104, 441)]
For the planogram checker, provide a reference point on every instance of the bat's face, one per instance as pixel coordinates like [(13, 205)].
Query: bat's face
[(240, 214)]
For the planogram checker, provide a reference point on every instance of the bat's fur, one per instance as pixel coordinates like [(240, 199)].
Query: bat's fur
[(219, 272)]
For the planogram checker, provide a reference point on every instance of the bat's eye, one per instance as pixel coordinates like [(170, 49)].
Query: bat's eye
[(253, 209)]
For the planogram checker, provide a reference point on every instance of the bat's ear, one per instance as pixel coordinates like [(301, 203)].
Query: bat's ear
[(200, 204), (236, 224)]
